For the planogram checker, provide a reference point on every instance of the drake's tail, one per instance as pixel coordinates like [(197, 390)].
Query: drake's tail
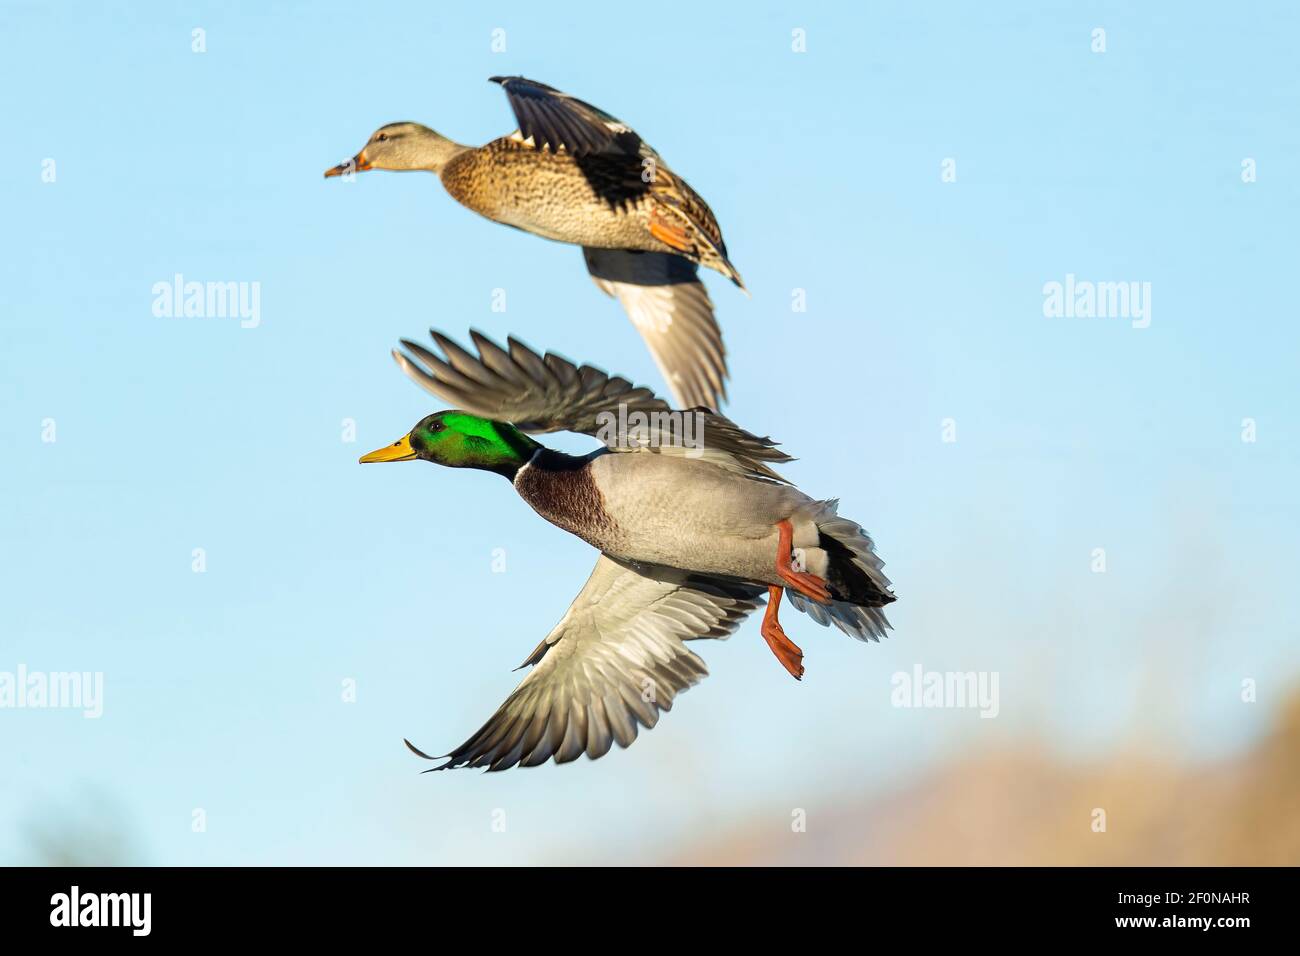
[(853, 573)]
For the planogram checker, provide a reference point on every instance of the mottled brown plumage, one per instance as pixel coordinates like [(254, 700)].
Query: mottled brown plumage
[(551, 195), (573, 173)]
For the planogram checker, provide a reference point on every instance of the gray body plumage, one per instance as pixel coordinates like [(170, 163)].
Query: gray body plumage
[(688, 540), (675, 511)]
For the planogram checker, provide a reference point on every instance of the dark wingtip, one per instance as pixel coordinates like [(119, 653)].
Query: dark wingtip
[(420, 753), (734, 275), (416, 750)]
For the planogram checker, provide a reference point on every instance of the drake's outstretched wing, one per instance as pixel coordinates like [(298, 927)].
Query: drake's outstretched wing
[(615, 661), (553, 119), (534, 393), (549, 393)]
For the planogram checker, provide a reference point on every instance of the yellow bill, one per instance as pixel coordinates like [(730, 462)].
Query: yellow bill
[(399, 450)]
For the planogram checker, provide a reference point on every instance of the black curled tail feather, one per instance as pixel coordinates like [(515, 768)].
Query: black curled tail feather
[(854, 575), (848, 581)]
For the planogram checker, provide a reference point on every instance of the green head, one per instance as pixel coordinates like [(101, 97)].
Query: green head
[(460, 440)]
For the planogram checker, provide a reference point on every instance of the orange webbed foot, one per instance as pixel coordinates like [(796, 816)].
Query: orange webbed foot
[(809, 585), (785, 650)]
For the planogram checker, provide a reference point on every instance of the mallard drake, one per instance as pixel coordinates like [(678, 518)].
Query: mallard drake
[(575, 174), (692, 524)]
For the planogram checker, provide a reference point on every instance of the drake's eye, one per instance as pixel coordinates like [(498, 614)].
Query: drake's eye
[(437, 427)]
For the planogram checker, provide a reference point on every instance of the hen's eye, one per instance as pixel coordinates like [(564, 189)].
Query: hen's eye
[(381, 137)]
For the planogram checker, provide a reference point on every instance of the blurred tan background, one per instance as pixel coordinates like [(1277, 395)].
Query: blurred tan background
[(1029, 807)]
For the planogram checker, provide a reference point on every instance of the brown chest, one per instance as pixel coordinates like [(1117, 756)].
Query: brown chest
[(563, 491)]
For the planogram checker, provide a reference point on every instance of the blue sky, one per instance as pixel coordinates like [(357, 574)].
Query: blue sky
[(925, 303)]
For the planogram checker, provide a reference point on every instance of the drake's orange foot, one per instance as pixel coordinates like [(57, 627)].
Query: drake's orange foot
[(786, 650), (809, 585)]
